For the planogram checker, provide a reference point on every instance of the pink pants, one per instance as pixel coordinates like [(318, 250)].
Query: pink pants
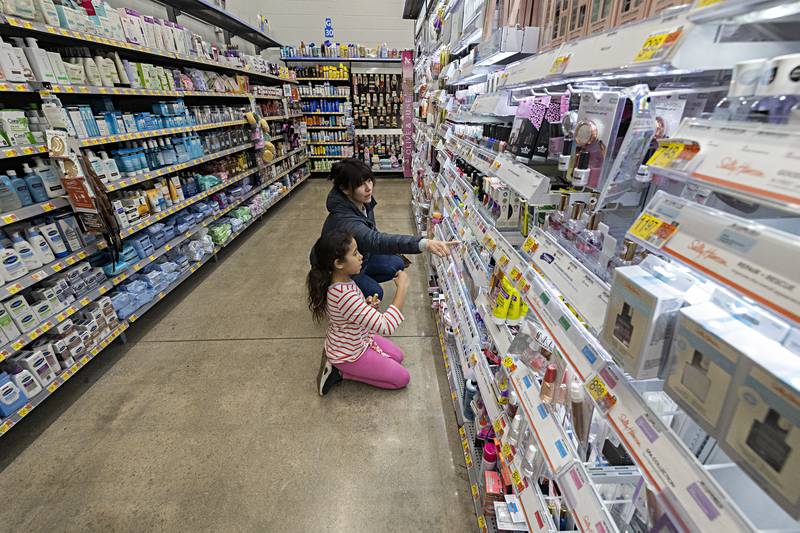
[(382, 370)]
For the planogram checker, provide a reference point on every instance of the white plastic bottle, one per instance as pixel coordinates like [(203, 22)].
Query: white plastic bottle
[(97, 165), (40, 246), (52, 184), (111, 169), (53, 237), (92, 71), (25, 251), (11, 264)]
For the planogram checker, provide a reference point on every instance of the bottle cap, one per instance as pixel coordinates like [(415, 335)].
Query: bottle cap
[(577, 210), (563, 202), (594, 221), (576, 391), (566, 148), (583, 160), (489, 452), (629, 250), (530, 454), (549, 375)]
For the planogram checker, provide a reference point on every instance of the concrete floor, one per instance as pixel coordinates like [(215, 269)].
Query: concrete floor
[(208, 418)]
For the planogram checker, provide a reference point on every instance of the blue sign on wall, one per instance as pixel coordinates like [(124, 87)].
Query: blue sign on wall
[(328, 28)]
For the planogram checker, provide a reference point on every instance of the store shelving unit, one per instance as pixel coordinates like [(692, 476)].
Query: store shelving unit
[(282, 174), (694, 475)]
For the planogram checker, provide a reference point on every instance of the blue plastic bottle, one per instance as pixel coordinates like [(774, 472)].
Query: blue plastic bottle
[(9, 201), (35, 184), (21, 188)]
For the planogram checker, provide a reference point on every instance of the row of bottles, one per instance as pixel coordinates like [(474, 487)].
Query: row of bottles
[(37, 184)]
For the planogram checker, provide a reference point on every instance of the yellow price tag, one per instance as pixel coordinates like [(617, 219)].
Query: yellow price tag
[(84, 359), (503, 261), (507, 451), (508, 362), (8, 219), (14, 289), (560, 64), (481, 522), (5, 427), (516, 477), (468, 459), (24, 410), (498, 426), (474, 490), (598, 390), (652, 229), (530, 245), (48, 206), (515, 274), (705, 3), (52, 387), (667, 153), (657, 45)]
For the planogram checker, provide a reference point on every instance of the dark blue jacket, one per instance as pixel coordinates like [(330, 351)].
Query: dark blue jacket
[(343, 214)]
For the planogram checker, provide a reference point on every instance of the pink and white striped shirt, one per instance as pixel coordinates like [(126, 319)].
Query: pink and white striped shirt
[(353, 322)]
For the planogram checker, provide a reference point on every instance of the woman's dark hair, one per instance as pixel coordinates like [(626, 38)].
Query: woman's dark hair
[(327, 249), (349, 174)]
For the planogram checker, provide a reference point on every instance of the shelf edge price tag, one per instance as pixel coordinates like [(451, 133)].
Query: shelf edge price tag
[(652, 229), (560, 64), (657, 45)]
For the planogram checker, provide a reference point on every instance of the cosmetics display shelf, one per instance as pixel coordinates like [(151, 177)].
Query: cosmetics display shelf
[(32, 211), (13, 287), (121, 184), (619, 401), (95, 141), (344, 59), (46, 325), (334, 143), (466, 430), (332, 96), (387, 170), (665, 44), (62, 378), (323, 113), (379, 131), (10, 421), (7, 152), (15, 87), (326, 127), (336, 157), (84, 38)]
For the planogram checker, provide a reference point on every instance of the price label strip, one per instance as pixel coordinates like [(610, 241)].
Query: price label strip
[(652, 229), (657, 45)]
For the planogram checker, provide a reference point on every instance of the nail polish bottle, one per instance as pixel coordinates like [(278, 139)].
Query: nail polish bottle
[(548, 384), (590, 239), (624, 259), (556, 219), (566, 155), (573, 226), (581, 171)]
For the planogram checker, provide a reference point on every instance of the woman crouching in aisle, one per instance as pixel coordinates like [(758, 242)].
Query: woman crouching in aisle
[(354, 347)]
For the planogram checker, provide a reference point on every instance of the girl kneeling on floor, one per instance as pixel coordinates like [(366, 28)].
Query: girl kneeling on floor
[(354, 347)]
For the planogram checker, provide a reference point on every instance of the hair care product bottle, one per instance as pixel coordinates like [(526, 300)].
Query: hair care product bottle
[(25, 251), (54, 239), (21, 188), (92, 70), (489, 462), (110, 167), (52, 184), (513, 433), (35, 184), (40, 246), (9, 200)]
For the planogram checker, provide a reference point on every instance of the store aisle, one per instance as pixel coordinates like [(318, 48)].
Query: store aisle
[(208, 418)]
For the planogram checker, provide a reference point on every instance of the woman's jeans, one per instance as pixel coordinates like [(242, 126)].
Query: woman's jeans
[(378, 269)]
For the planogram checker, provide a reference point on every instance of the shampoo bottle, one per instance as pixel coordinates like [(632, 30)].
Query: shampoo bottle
[(25, 251), (35, 184), (111, 169), (40, 246)]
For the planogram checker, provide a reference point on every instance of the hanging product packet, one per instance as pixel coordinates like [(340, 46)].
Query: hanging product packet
[(527, 121), (556, 109)]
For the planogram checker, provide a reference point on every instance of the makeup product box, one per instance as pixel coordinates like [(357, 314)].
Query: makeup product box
[(702, 364), (762, 434), (639, 321)]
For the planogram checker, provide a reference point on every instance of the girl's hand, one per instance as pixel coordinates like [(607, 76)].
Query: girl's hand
[(401, 279), (374, 301)]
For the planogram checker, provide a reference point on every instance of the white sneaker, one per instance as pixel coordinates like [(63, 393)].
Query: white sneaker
[(328, 376)]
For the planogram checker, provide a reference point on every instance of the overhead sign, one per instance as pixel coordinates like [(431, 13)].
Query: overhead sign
[(328, 28)]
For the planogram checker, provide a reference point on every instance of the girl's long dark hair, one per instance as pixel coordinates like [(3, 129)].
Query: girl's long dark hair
[(327, 249)]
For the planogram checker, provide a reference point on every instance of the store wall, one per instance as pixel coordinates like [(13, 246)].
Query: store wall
[(367, 22)]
